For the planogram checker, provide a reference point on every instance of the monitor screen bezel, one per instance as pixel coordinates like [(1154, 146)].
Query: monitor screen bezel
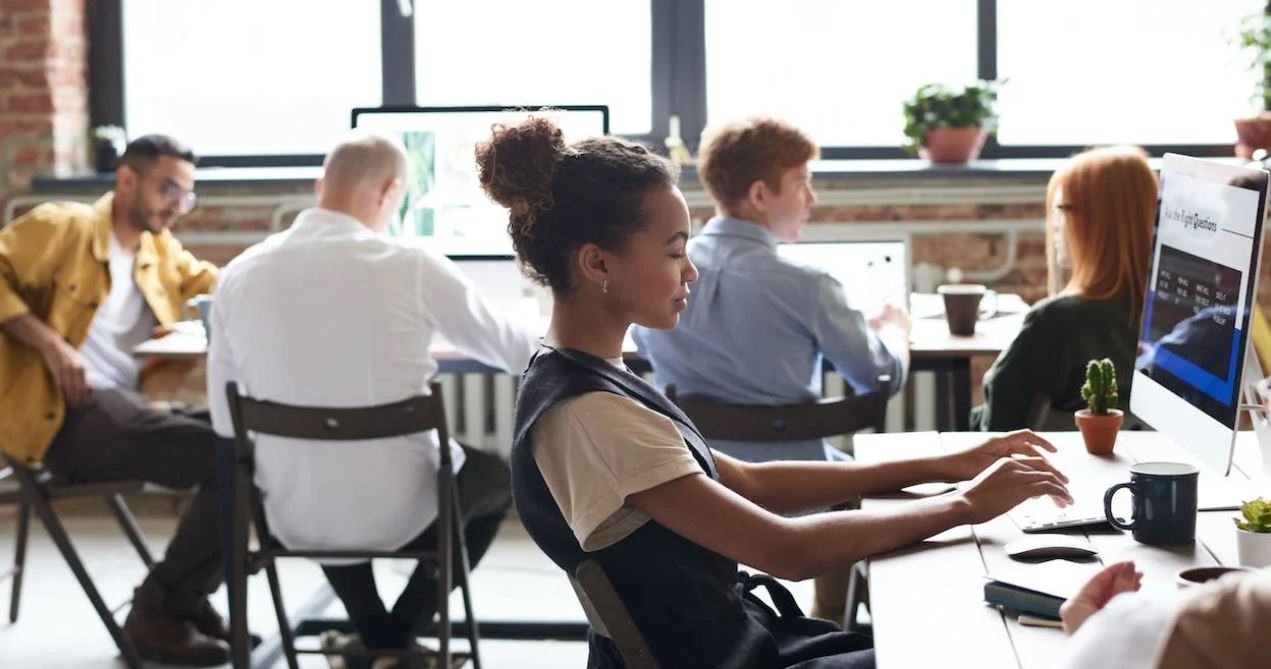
[(413, 109), (1208, 439)]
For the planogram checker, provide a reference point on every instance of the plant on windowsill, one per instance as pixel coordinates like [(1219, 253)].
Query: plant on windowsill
[(1100, 422), (1254, 39), (1253, 533), (108, 144), (948, 126)]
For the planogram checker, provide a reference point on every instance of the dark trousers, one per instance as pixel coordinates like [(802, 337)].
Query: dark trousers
[(115, 436), (485, 493)]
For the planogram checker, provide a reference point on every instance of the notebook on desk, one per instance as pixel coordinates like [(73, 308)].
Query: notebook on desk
[(1038, 589)]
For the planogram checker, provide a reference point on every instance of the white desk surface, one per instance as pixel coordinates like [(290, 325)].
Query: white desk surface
[(927, 601)]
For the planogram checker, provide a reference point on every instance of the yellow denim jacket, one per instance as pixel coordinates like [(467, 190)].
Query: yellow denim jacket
[(54, 264)]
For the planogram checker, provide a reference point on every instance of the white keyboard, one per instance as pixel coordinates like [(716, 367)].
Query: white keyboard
[(1041, 515)]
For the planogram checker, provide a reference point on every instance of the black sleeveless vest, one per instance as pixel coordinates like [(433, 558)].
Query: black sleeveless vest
[(692, 605)]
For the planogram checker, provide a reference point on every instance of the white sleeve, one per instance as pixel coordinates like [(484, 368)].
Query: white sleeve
[(596, 449), (1126, 634), (462, 317), (220, 359)]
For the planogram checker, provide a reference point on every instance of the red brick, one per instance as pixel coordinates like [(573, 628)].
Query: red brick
[(15, 128), (28, 51), (31, 103), (34, 25), (34, 6)]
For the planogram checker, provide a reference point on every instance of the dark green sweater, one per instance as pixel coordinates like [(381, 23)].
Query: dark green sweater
[(1060, 335)]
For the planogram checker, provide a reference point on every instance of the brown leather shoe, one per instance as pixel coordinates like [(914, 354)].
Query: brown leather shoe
[(209, 622), (164, 638)]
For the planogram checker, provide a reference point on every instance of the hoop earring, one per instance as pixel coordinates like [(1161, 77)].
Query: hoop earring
[(604, 287)]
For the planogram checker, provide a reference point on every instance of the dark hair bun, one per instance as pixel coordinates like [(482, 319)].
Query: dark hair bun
[(517, 164)]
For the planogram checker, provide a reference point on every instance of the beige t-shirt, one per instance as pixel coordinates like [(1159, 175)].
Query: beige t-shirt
[(594, 450)]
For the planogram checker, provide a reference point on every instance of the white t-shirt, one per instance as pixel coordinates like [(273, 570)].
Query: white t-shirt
[(1128, 633), (332, 314), (121, 322), (594, 450)]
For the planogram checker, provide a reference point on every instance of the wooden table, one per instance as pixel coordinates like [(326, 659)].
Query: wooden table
[(927, 601), (932, 349)]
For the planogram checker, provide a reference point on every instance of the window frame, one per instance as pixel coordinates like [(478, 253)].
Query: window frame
[(678, 73)]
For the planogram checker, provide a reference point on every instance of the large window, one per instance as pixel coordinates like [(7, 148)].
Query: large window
[(247, 82), (1139, 71), (837, 69), (241, 77), (557, 52)]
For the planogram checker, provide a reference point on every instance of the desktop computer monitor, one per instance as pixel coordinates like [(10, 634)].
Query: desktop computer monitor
[(873, 272), (1201, 286), (444, 202)]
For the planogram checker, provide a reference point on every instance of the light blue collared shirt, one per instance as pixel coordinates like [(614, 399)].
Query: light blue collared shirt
[(755, 330)]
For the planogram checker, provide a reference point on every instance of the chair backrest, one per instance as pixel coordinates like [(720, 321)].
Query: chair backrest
[(416, 414), (786, 422), (609, 616)]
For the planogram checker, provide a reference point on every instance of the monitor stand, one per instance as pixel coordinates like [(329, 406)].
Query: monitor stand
[(1251, 402)]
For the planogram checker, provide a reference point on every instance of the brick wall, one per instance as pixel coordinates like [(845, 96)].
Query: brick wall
[(43, 91)]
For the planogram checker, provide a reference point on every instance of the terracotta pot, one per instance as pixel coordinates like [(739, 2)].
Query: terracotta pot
[(952, 145), (1099, 432), (1253, 133)]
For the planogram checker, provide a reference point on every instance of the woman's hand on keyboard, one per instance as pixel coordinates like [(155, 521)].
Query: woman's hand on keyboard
[(1009, 481), (969, 463)]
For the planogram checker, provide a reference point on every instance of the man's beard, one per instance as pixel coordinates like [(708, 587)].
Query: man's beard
[(140, 221)]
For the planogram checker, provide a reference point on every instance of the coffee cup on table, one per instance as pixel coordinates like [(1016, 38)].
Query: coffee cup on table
[(1194, 576), (962, 306), (1165, 503)]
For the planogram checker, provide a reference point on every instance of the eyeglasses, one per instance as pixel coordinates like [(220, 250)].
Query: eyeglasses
[(172, 194)]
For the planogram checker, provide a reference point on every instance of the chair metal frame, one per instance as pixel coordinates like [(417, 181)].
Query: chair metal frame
[(417, 414), (791, 422), (37, 489), (609, 616)]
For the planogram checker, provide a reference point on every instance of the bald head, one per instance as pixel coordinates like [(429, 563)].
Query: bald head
[(364, 176)]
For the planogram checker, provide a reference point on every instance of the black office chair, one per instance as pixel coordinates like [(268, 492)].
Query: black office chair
[(609, 616), (414, 415), (37, 488), (791, 422)]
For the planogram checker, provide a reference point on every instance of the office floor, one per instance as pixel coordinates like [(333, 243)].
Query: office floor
[(58, 629)]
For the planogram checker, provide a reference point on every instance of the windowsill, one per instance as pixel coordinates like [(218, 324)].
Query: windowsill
[(822, 170)]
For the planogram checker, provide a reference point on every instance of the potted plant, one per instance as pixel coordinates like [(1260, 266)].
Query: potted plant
[(108, 146), (945, 125), (1253, 533), (1100, 422), (1254, 132)]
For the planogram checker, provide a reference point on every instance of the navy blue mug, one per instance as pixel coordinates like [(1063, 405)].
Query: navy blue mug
[(1164, 497)]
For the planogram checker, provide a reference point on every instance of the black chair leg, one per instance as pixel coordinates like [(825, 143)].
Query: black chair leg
[(19, 559), (464, 573), (129, 525), (236, 577), (284, 625), (63, 542)]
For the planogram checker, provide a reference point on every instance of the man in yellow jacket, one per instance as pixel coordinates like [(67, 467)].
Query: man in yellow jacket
[(80, 285)]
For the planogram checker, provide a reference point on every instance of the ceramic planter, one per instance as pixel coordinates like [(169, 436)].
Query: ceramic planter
[(1253, 548), (954, 146), (1099, 431)]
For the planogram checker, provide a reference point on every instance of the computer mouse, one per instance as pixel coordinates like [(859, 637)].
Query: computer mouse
[(1050, 546)]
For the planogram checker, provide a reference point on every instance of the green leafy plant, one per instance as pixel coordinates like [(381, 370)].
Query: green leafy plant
[(938, 106), (1254, 39), (1257, 516), (1100, 389)]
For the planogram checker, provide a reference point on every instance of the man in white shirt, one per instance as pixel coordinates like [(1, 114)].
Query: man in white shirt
[(333, 313)]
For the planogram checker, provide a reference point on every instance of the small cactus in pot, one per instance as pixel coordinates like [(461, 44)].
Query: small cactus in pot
[(1100, 422)]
